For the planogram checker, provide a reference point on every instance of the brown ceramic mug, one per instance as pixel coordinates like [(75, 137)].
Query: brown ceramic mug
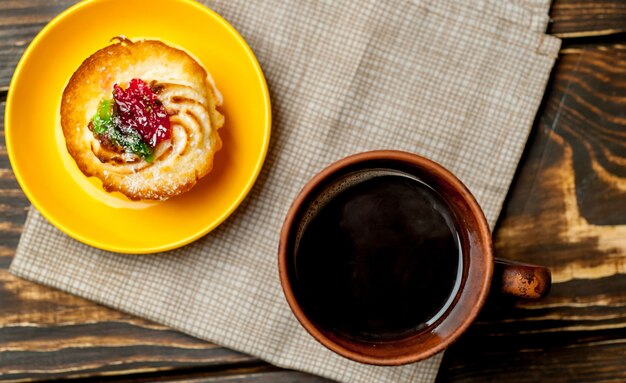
[(480, 270)]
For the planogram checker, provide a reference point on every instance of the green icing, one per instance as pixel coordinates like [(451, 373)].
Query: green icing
[(102, 119)]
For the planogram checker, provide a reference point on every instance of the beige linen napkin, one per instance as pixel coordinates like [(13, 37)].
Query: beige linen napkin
[(458, 82)]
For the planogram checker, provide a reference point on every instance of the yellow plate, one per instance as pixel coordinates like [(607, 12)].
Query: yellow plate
[(78, 205)]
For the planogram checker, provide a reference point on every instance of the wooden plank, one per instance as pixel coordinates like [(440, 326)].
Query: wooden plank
[(20, 21), (584, 18), (566, 210), (47, 334), (250, 377), (13, 206)]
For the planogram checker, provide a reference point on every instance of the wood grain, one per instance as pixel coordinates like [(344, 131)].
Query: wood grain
[(584, 18), (566, 210), (268, 377), (20, 21)]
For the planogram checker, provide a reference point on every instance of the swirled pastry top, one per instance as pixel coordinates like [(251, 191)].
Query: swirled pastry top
[(142, 117)]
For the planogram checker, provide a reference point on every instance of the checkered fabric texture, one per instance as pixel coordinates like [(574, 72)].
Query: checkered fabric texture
[(456, 81)]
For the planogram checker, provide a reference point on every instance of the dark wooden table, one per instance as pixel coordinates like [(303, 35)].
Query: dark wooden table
[(566, 209)]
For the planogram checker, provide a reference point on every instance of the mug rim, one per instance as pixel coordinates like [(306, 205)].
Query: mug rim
[(430, 167)]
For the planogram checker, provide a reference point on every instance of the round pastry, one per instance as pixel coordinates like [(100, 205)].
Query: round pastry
[(142, 117)]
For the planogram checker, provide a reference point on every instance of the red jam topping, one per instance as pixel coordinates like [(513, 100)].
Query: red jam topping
[(140, 110)]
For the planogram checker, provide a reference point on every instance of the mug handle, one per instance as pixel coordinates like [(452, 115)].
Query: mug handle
[(520, 279)]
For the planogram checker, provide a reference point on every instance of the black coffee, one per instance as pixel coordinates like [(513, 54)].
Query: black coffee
[(380, 260)]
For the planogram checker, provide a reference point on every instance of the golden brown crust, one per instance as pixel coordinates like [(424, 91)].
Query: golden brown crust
[(188, 95)]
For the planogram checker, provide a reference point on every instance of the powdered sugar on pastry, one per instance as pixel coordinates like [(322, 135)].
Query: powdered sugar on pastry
[(183, 88)]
